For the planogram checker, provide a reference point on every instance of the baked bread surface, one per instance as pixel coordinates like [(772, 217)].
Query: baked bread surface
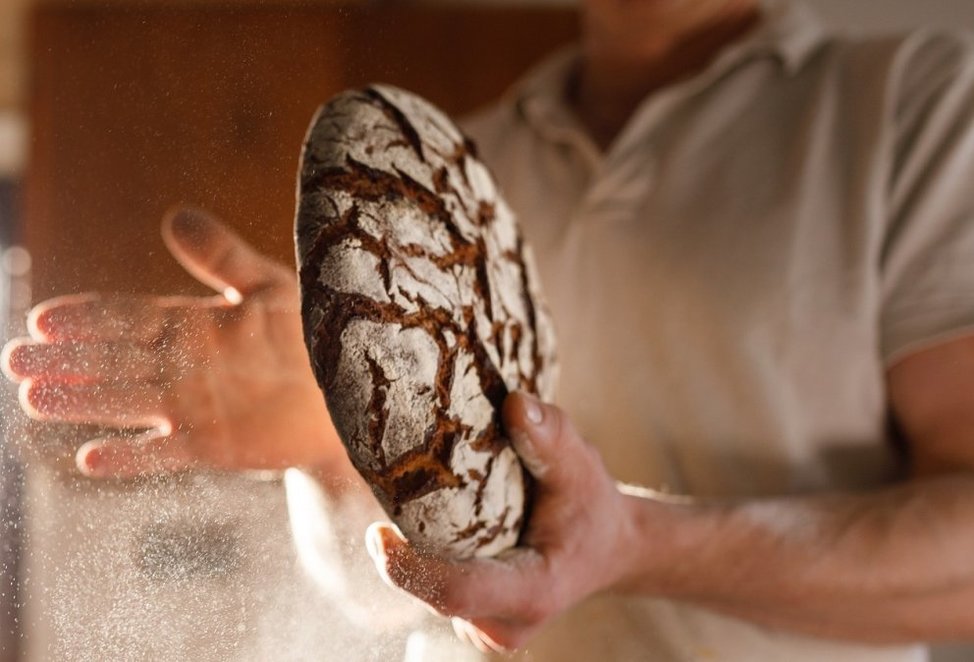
[(421, 311)]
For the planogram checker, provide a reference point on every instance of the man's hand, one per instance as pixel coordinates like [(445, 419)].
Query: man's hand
[(886, 566), (572, 548), (220, 382)]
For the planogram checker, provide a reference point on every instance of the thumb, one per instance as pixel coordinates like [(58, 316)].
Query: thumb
[(544, 438), (216, 256)]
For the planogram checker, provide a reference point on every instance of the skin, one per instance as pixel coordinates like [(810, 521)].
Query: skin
[(888, 566), (884, 566), (220, 382)]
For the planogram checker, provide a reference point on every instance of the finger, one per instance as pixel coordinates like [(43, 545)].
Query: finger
[(123, 405), (461, 628), (9, 350), (470, 588), (217, 256), (92, 317), (544, 439), (73, 361), (131, 456), (42, 320), (478, 638)]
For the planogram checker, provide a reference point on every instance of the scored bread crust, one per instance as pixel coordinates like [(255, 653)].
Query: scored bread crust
[(421, 311)]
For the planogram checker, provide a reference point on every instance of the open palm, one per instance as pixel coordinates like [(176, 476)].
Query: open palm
[(220, 382)]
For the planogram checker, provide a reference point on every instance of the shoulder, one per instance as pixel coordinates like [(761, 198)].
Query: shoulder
[(936, 52), (915, 67), (893, 86), (934, 69)]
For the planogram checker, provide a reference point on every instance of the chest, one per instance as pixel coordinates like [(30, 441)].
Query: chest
[(751, 214)]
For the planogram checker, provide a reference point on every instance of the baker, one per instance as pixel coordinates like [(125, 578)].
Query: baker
[(757, 242)]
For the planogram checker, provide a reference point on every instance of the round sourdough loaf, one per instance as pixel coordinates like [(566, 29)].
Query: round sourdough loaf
[(421, 312)]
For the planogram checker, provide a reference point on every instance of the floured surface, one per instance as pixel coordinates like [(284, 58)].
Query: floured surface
[(421, 312)]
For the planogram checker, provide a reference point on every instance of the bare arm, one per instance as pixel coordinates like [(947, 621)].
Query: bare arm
[(888, 566), (892, 565)]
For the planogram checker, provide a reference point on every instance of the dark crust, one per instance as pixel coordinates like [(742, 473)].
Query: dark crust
[(326, 312)]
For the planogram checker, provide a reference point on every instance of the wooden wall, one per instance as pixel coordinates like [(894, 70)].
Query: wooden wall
[(136, 108)]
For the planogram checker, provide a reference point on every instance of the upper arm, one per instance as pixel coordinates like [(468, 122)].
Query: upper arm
[(931, 394)]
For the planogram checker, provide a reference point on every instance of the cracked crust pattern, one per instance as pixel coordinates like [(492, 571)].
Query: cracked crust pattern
[(421, 312)]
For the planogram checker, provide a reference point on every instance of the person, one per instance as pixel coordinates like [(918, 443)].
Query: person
[(757, 240)]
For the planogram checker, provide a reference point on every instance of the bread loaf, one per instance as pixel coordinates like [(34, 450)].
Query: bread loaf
[(421, 311)]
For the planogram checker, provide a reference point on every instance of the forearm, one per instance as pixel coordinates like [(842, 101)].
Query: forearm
[(887, 566)]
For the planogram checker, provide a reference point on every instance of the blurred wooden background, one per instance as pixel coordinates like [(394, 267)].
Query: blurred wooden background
[(136, 105), (137, 108)]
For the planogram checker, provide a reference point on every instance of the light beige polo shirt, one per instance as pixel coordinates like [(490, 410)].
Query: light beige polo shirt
[(730, 280)]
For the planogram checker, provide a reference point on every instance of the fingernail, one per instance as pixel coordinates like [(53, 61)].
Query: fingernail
[(373, 543), (32, 397), (52, 324), (10, 360), (532, 409), (90, 461), (41, 323), (390, 538)]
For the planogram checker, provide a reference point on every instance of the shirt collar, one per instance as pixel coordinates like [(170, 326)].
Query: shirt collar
[(789, 32)]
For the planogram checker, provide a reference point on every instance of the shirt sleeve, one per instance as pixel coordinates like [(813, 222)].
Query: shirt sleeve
[(928, 256)]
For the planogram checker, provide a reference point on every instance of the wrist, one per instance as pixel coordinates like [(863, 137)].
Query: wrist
[(662, 541)]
